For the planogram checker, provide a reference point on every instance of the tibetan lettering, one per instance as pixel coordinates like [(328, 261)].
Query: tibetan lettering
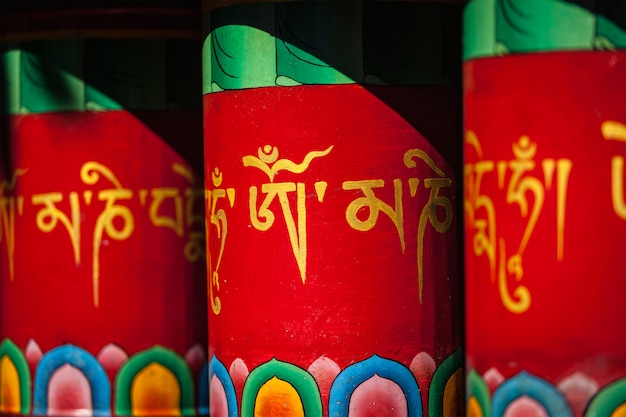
[(518, 179), (262, 218), (218, 220)]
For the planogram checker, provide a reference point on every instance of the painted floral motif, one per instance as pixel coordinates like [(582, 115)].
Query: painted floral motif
[(223, 401), (578, 389), (525, 394), (75, 377), (280, 388), (33, 353), (372, 387), (324, 370), (15, 394), (70, 380), (610, 401), (446, 386), (156, 380), (375, 380)]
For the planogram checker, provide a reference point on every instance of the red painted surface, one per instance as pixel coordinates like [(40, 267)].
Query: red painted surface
[(360, 295), (148, 292), (576, 319)]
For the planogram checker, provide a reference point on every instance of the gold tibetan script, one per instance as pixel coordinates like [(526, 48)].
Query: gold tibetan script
[(262, 218)]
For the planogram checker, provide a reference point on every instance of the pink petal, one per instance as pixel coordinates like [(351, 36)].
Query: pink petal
[(493, 378), (423, 367), (33, 353), (324, 370), (217, 399), (238, 372), (69, 392), (525, 407), (578, 389), (112, 357), (195, 357), (378, 397)]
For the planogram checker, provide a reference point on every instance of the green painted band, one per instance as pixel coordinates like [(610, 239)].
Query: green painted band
[(99, 75), (503, 27), (300, 43)]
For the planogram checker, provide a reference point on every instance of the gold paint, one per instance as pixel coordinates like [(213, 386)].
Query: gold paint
[(413, 184), (484, 240), (521, 302), (49, 216), (548, 166), (7, 210), (87, 196), (263, 218), (472, 139), (194, 247), (159, 220), (320, 190), (519, 186), (184, 171), (216, 177), (501, 167), (8, 207), (269, 154), (230, 192), (563, 167), (429, 212), (617, 186), (612, 130), (297, 233), (524, 149), (218, 219), (263, 212), (90, 174), (143, 196), (374, 206), (265, 159), (429, 215), (91, 171), (10, 185), (20, 205), (410, 163), (216, 303)]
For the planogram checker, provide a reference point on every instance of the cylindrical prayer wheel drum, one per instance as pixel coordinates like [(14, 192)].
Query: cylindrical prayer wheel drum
[(102, 266), (545, 212), (332, 180)]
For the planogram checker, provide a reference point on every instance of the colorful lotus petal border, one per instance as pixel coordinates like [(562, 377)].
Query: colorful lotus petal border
[(541, 395), (111, 377)]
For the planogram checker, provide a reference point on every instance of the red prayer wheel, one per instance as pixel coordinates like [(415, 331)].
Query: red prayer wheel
[(545, 219), (332, 179), (102, 266)]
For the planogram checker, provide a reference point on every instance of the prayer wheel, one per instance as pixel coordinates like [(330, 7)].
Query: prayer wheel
[(102, 266), (332, 166), (545, 213)]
